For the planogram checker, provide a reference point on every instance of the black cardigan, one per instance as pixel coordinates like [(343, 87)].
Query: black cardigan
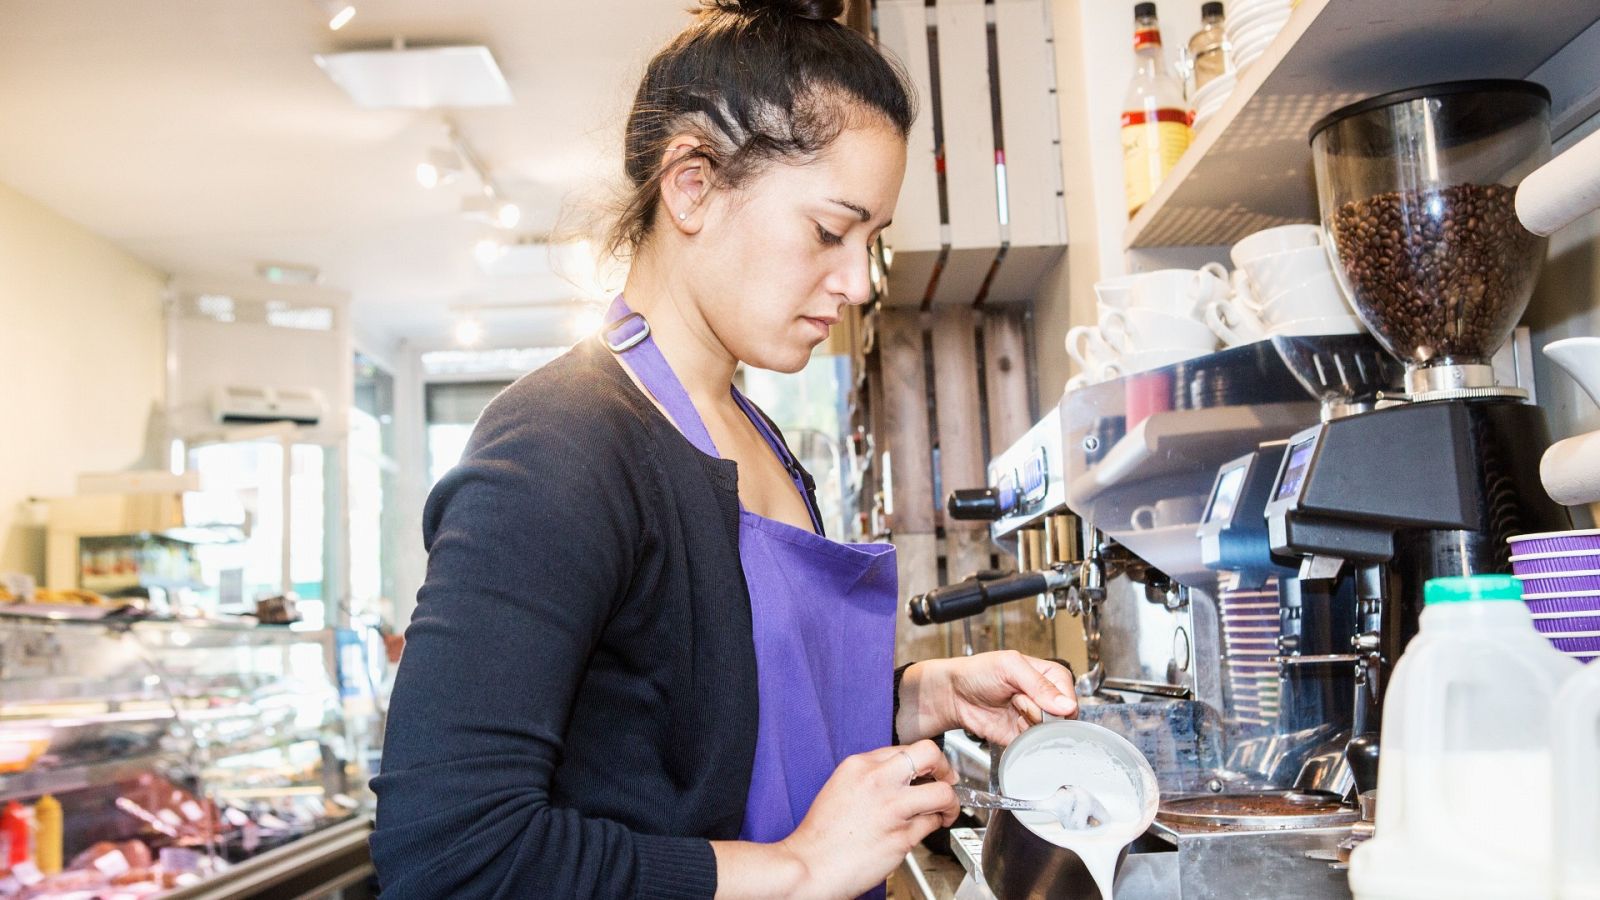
[(575, 715)]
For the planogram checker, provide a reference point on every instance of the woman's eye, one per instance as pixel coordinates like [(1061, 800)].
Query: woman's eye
[(828, 237)]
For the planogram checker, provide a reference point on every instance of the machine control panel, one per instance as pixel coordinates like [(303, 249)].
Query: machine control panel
[(1233, 531), (1225, 493), (1308, 518), (1022, 476), (1035, 477), (1295, 468), (1283, 504)]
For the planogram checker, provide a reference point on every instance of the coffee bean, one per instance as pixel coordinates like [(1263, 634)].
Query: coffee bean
[(1441, 274)]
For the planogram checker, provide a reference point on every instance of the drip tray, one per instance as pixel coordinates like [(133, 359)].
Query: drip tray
[(1261, 811)]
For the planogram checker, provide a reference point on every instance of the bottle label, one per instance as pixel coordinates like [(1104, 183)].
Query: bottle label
[(1151, 147), (1146, 37)]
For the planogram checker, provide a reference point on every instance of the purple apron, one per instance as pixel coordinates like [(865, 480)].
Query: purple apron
[(823, 616)]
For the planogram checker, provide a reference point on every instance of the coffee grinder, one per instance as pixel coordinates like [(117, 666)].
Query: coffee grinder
[(1417, 194)]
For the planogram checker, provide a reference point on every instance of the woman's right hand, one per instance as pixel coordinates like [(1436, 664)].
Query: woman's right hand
[(868, 817)]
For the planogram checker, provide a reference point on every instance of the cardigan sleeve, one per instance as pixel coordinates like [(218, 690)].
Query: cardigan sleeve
[(531, 540)]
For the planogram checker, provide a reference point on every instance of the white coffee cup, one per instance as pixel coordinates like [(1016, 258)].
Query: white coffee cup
[(1324, 325), (1234, 322), (1088, 348), (1171, 511), (1243, 292), (1180, 292), (1317, 298), (1136, 329), (1275, 240), (1277, 272), (1113, 293), (1145, 360)]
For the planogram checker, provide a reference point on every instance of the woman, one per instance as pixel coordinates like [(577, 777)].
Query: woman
[(636, 668)]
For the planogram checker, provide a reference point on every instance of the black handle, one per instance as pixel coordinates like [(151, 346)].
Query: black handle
[(1362, 752), (973, 596), (980, 504)]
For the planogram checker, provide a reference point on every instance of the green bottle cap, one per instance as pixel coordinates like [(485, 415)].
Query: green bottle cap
[(1472, 588)]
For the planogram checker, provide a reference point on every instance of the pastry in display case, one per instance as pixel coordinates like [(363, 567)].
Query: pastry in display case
[(177, 759)]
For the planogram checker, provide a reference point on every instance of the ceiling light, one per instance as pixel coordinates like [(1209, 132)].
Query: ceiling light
[(288, 273), (469, 332), (490, 209), (507, 215), (441, 166), (341, 18), (419, 78), (487, 253), (337, 12)]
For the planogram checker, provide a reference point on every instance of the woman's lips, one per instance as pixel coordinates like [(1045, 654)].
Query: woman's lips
[(822, 325)]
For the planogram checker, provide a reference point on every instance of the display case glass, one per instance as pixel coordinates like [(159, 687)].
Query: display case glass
[(180, 754)]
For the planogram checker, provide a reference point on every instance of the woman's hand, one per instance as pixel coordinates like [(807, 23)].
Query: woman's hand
[(993, 695), (866, 819)]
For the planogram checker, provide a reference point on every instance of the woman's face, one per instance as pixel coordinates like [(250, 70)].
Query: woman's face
[(773, 264)]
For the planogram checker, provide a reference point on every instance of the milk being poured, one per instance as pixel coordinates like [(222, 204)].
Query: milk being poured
[(1067, 760)]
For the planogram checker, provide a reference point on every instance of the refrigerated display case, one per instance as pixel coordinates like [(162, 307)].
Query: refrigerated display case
[(189, 759)]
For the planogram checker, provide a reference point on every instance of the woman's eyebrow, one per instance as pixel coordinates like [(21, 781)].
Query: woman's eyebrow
[(862, 211)]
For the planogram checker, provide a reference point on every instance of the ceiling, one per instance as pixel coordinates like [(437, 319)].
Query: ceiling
[(201, 137)]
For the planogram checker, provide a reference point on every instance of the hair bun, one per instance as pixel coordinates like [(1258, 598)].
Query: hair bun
[(815, 10)]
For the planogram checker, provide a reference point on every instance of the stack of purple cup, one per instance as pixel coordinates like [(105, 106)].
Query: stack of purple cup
[(1560, 574), (1250, 628)]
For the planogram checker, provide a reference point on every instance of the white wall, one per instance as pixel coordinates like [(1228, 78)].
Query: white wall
[(81, 364), (208, 354), (1094, 62), (406, 555), (1567, 304)]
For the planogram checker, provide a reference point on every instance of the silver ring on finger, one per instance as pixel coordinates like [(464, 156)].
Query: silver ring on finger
[(913, 764)]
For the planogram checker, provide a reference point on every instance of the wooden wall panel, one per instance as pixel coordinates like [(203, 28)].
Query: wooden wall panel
[(1006, 377), (918, 559), (959, 409), (907, 435), (976, 399), (966, 552)]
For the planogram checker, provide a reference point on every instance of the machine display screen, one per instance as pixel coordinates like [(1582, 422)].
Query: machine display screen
[(1295, 472), (1226, 495)]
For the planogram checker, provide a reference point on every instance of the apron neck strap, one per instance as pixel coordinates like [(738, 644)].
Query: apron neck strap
[(627, 334)]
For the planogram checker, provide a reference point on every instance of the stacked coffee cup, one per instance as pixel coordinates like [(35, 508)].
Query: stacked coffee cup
[(1283, 285), (1146, 321)]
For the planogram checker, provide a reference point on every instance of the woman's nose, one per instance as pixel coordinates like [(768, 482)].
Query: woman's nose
[(852, 280)]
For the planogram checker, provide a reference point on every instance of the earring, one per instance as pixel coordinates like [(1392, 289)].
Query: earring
[(682, 216)]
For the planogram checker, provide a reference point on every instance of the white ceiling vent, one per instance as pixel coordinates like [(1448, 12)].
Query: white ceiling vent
[(419, 77)]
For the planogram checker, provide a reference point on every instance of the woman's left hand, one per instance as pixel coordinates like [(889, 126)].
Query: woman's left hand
[(993, 695)]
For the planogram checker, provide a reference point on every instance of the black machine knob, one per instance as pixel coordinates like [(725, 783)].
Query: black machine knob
[(981, 591), (980, 504), (1362, 752)]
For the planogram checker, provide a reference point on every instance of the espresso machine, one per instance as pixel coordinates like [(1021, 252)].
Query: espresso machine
[(1255, 525), (1194, 686)]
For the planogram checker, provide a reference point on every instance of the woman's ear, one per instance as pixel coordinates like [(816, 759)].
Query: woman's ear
[(686, 182)]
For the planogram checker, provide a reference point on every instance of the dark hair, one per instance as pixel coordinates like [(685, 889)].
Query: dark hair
[(755, 81)]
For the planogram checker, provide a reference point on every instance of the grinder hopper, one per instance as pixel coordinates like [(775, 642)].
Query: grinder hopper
[(1417, 190)]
